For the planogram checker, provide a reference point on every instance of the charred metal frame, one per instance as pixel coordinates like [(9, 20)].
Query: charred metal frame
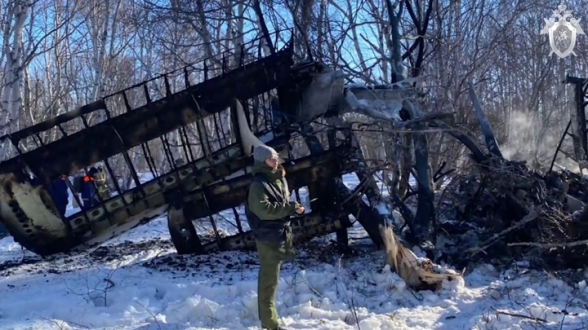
[(200, 187), (148, 122), (577, 122), (134, 127), (558, 148), (195, 190)]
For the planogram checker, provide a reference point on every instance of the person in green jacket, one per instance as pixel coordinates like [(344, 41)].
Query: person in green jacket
[(268, 209), (100, 180)]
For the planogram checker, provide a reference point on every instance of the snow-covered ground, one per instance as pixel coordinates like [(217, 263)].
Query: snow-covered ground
[(136, 281)]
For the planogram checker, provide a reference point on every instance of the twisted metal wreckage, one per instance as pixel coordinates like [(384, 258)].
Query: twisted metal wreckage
[(214, 176)]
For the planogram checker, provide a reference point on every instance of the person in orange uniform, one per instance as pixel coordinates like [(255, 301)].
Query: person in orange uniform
[(89, 192)]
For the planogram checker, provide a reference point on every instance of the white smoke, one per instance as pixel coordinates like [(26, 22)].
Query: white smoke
[(534, 139)]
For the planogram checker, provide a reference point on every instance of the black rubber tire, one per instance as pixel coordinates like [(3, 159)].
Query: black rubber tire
[(183, 234)]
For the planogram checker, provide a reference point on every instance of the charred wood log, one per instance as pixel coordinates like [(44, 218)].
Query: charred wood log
[(551, 222)]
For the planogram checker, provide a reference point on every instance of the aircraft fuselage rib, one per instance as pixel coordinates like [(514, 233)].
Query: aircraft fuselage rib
[(147, 122)]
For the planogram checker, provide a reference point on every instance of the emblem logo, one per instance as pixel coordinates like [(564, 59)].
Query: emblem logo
[(562, 33)]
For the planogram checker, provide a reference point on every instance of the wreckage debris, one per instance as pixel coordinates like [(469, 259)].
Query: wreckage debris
[(502, 210), (505, 211), (508, 212), (208, 180), (418, 273)]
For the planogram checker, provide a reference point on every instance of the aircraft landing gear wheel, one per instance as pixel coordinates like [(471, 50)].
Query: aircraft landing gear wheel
[(182, 232)]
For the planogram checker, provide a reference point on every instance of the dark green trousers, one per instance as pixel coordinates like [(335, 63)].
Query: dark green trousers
[(271, 257)]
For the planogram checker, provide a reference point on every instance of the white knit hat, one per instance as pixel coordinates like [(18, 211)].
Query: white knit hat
[(263, 152)]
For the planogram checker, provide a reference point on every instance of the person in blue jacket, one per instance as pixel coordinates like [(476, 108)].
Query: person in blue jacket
[(58, 191), (89, 192)]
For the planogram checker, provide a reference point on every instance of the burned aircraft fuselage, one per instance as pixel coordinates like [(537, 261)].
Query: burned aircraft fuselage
[(192, 189)]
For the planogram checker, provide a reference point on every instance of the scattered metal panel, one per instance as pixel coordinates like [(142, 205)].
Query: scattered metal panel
[(50, 123), (29, 215), (121, 212), (100, 104)]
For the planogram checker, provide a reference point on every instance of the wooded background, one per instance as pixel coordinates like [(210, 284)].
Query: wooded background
[(60, 54)]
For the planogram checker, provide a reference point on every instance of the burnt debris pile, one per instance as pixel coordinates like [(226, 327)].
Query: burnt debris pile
[(508, 212), (504, 211)]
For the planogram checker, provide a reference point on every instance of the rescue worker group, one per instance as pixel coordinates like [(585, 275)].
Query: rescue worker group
[(92, 187)]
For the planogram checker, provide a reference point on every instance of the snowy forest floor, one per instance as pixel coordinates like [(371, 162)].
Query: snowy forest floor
[(137, 281)]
